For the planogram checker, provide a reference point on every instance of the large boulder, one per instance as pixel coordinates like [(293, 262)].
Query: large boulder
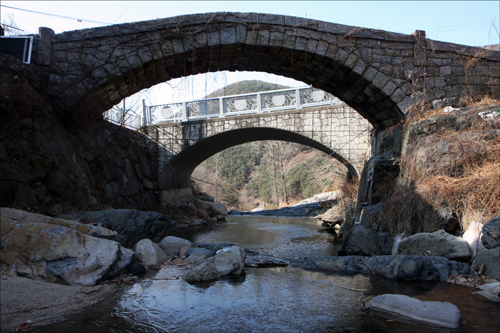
[(149, 253), (473, 237), (438, 314), (59, 254), (438, 243), (131, 225), (21, 216), (409, 268), (491, 233), (368, 236), (491, 260), (366, 241), (214, 209), (204, 272), (230, 261), (172, 245)]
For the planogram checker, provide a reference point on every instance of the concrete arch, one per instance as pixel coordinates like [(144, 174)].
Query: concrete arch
[(187, 160), (378, 73)]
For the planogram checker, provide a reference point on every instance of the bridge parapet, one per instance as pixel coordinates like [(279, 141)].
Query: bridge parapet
[(234, 105)]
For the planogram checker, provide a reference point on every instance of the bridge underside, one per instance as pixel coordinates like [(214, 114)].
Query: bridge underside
[(177, 175), (341, 78)]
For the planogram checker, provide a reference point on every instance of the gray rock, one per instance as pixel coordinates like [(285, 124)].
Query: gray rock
[(183, 251), (488, 296), (173, 245), (264, 261), (149, 253), (131, 225), (57, 253), (372, 216), (200, 250), (491, 260), (491, 233), (366, 241), (214, 208), (230, 261), (489, 290), (411, 268), (20, 216), (204, 272), (490, 287), (438, 243), (415, 268), (126, 257), (438, 314), (195, 257)]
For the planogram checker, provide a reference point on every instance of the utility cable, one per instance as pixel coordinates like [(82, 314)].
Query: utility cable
[(56, 15)]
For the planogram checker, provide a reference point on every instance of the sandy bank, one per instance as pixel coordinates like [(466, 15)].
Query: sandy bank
[(23, 299)]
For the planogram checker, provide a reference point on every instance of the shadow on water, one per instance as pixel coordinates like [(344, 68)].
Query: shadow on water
[(279, 299)]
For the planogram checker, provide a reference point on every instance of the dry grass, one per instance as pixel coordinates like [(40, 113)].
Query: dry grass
[(348, 197), (459, 170), (477, 192)]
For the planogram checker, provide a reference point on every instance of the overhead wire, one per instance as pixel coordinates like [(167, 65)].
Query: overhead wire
[(56, 15)]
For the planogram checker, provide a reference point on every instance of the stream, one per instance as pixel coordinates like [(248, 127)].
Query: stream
[(277, 299)]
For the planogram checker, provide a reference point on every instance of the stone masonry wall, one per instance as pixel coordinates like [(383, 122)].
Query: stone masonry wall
[(338, 127), (52, 167)]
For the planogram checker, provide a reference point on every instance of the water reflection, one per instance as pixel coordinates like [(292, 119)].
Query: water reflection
[(267, 300), (281, 299)]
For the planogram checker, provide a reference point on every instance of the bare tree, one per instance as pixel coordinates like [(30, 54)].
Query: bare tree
[(10, 26)]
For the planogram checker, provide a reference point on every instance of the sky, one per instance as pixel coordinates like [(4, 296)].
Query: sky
[(473, 23)]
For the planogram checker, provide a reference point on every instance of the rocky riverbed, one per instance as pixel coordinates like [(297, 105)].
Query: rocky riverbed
[(76, 260)]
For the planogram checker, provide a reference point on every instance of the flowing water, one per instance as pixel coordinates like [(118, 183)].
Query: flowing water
[(280, 299)]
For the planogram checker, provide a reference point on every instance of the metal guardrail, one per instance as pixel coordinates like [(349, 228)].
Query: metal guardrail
[(266, 101)]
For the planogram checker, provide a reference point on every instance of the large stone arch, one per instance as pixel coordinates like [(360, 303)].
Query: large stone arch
[(378, 73), (177, 175)]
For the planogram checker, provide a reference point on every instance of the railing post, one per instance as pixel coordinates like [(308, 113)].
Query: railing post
[(259, 103), (297, 98), (184, 112), (221, 107), (144, 114)]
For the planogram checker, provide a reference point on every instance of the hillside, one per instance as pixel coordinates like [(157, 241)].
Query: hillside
[(246, 87), (265, 173)]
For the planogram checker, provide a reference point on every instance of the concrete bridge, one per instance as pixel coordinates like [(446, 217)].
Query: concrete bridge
[(380, 74), (304, 115)]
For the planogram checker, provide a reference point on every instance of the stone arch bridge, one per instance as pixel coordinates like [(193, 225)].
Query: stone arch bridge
[(379, 74)]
